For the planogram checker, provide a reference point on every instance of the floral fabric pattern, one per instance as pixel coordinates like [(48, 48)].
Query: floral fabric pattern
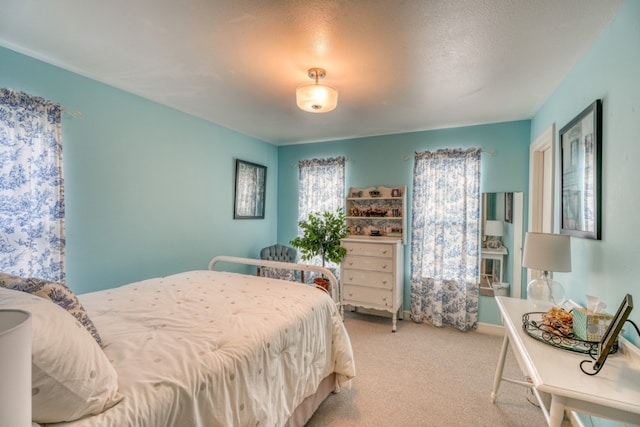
[(58, 293), (445, 243), (321, 189), (278, 273), (32, 241)]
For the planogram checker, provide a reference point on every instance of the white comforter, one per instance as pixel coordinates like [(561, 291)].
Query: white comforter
[(208, 348)]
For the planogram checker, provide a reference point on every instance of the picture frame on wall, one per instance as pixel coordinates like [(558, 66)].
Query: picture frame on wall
[(250, 190), (508, 207), (581, 174)]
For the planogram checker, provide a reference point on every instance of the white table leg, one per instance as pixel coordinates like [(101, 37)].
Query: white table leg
[(556, 413), (499, 369)]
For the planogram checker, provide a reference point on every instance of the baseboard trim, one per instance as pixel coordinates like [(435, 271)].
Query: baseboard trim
[(483, 328), (490, 329)]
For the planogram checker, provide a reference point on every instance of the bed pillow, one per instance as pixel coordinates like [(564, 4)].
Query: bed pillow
[(58, 293), (71, 375)]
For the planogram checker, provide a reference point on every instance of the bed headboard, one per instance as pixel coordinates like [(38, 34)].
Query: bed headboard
[(278, 264)]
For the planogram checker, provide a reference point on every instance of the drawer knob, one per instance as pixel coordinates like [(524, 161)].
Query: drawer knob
[(350, 262), (384, 282), (384, 251), (350, 278), (384, 266)]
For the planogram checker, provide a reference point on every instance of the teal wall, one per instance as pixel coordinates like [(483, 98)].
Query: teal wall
[(149, 190), (382, 160), (610, 70)]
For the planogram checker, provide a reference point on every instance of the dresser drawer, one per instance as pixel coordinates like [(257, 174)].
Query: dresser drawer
[(370, 296), (372, 279), (368, 263), (369, 249)]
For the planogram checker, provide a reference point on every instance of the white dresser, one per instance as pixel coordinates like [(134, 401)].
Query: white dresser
[(372, 274)]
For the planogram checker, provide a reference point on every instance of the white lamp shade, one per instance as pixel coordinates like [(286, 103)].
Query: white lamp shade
[(316, 98), (493, 228), (547, 252), (15, 368)]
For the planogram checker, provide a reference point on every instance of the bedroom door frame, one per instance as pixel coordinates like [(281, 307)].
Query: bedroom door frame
[(541, 186)]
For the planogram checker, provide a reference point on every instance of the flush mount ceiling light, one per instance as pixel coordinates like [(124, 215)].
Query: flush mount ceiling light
[(315, 97)]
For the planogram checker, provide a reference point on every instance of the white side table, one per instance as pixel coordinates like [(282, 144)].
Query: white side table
[(497, 268), (613, 393)]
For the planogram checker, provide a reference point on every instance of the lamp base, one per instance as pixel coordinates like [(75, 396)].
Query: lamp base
[(494, 243), (545, 292)]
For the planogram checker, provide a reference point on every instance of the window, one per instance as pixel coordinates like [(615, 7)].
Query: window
[(321, 188), (32, 242), (445, 243)]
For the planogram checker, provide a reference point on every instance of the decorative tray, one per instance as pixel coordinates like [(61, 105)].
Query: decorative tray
[(532, 324)]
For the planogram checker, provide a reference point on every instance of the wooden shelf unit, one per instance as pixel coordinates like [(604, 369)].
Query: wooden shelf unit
[(383, 212)]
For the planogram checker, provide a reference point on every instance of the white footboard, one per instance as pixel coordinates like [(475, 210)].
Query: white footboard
[(278, 264)]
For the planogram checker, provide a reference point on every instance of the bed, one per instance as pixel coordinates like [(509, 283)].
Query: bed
[(200, 348)]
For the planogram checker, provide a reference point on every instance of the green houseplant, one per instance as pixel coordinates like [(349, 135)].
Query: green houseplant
[(321, 234)]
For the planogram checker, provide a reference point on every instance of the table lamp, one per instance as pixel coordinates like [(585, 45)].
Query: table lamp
[(493, 229), (15, 368), (549, 253)]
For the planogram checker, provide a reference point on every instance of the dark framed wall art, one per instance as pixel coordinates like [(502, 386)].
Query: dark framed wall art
[(508, 207), (580, 174), (251, 184)]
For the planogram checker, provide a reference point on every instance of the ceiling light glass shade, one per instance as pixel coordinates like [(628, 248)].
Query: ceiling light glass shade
[(546, 252), (316, 98)]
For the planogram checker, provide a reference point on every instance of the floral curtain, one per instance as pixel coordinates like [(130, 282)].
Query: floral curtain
[(445, 243), (321, 188), (32, 241)]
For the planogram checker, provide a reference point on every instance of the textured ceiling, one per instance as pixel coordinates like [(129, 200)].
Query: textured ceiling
[(399, 66)]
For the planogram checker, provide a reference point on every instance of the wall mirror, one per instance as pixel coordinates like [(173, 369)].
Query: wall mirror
[(502, 235), (251, 183)]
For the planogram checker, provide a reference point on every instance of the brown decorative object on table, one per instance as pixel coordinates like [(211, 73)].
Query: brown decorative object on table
[(558, 321)]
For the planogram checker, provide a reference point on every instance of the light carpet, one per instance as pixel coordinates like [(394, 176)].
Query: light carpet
[(425, 376)]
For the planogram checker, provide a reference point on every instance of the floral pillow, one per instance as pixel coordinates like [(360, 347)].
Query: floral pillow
[(58, 293)]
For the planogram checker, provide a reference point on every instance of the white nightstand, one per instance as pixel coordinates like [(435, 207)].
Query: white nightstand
[(494, 274)]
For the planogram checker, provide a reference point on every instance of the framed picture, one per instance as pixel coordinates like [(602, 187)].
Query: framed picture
[(610, 335), (580, 174), (251, 183), (508, 207), (396, 192)]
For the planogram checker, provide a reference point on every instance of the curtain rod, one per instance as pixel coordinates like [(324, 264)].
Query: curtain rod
[(490, 152), (346, 160)]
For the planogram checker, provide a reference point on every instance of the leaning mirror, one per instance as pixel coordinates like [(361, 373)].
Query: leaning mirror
[(251, 182), (501, 266)]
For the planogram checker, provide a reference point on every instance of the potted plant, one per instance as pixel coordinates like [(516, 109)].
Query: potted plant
[(321, 234)]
